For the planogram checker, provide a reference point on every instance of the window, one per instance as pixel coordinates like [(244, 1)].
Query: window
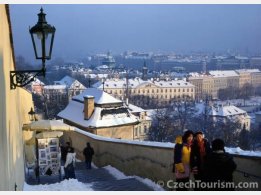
[(166, 90), (145, 129), (136, 131)]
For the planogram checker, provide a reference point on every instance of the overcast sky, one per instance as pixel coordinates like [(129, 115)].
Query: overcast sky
[(83, 29)]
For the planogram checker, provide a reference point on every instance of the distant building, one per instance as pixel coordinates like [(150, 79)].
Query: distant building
[(37, 87), (213, 81), (250, 76), (73, 86), (163, 91), (109, 61), (55, 93), (141, 130), (97, 112), (231, 112), (255, 62)]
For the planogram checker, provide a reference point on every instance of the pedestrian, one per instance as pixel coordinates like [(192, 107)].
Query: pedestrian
[(182, 159), (64, 151), (70, 164), (199, 149), (88, 152), (219, 167)]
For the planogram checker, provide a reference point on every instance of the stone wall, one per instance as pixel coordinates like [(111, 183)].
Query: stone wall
[(153, 162)]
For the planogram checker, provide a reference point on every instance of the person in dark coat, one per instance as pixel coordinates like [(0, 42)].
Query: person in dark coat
[(219, 166), (199, 149), (88, 152), (64, 151)]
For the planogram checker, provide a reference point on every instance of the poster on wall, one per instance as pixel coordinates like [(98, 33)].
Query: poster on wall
[(49, 156)]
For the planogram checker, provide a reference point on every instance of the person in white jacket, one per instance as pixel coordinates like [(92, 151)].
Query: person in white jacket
[(69, 164)]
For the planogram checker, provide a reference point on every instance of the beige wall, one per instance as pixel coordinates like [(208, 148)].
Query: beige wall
[(120, 132), (153, 162), (153, 91), (14, 106)]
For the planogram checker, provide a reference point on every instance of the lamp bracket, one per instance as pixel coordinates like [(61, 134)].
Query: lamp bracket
[(22, 78)]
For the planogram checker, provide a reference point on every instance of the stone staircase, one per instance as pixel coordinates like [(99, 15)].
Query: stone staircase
[(100, 179)]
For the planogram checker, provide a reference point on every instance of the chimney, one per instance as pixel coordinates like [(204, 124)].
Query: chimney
[(88, 106)]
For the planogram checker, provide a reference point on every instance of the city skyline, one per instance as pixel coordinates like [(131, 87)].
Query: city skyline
[(83, 29)]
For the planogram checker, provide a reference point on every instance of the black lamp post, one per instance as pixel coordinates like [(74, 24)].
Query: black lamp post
[(103, 82), (32, 115), (42, 35)]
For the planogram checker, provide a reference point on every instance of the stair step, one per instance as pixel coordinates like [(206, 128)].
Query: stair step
[(93, 175), (130, 184)]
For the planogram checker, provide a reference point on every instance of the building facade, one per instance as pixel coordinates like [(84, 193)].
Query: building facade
[(14, 105), (213, 81), (233, 113), (164, 91), (99, 113), (73, 86)]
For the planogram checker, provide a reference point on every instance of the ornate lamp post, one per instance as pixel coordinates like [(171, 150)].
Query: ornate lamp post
[(31, 114), (42, 35)]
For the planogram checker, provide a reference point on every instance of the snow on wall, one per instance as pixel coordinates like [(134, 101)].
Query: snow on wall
[(134, 142), (237, 150)]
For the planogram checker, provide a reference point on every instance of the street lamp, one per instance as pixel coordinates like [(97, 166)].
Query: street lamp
[(42, 35), (32, 115)]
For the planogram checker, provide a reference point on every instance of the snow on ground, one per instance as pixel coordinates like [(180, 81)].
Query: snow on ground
[(239, 151), (119, 175), (65, 185)]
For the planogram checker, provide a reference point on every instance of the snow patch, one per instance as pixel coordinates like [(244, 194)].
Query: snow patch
[(119, 175), (65, 185), (239, 151)]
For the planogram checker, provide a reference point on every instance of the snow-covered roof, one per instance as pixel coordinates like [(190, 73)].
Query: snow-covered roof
[(226, 111), (223, 73), (74, 113), (137, 82), (68, 81), (100, 97), (196, 75), (55, 87), (247, 70), (37, 82), (134, 108)]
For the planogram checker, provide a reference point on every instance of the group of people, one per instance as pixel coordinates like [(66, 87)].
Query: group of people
[(193, 155), (68, 158)]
